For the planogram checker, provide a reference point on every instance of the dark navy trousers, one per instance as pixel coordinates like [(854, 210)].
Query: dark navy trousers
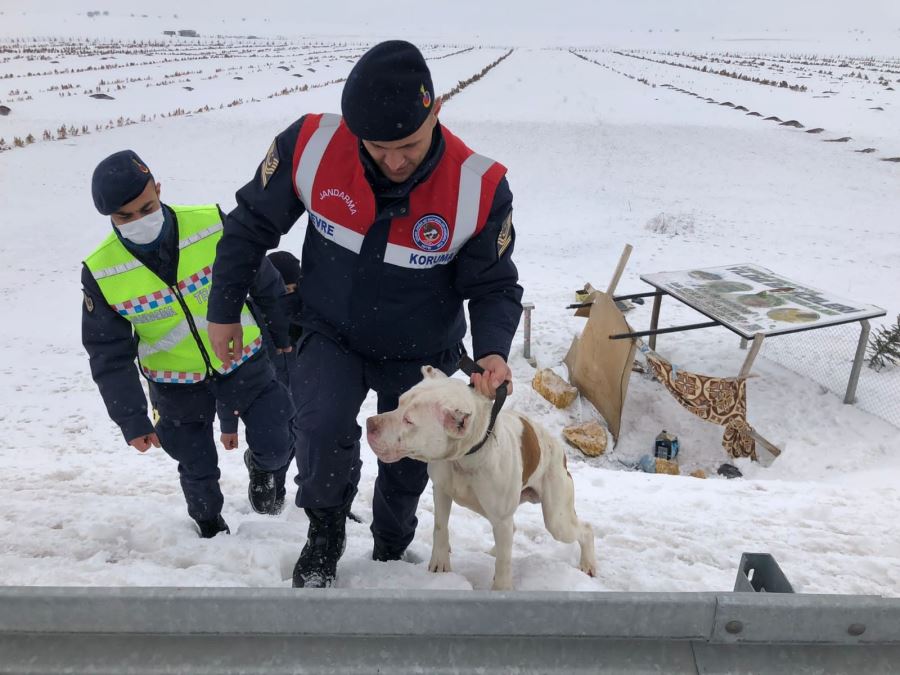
[(185, 427), (329, 385)]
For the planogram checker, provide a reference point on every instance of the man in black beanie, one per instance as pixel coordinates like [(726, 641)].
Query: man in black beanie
[(405, 224), (145, 291)]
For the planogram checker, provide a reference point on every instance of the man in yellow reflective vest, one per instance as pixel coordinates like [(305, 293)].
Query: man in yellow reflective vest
[(145, 292)]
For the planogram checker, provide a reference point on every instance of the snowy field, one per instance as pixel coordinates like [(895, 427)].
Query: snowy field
[(597, 150)]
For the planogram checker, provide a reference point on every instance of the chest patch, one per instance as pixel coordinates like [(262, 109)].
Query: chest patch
[(431, 233)]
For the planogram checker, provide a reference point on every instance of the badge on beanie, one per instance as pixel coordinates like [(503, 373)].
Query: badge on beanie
[(426, 96), (88, 302), (141, 167), (269, 165), (505, 237)]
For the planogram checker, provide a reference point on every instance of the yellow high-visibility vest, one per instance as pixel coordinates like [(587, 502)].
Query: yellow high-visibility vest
[(170, 321)]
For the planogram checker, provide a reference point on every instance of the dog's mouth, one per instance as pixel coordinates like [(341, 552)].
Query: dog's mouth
[(389, 457), (386, 455)]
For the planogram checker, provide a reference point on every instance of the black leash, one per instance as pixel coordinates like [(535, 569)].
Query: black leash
[(468, 366)]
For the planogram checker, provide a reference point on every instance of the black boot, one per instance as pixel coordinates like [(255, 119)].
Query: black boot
[(317, 565), (261, 491), (280, 493), (384, 553), (210, 528)]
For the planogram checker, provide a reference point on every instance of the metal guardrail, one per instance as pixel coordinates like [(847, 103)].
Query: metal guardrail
[(131, 631)]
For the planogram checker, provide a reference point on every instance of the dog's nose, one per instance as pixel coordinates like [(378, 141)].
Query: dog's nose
[(372, 425)]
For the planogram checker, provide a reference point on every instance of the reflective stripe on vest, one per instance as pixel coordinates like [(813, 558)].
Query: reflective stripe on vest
[(117, 269), (305, 176), (450, 231), (173, 377), (169, 349), (182, 244), (467, 205), (180, 332)]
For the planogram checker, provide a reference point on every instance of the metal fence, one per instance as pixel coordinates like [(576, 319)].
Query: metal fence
[(826, 357)]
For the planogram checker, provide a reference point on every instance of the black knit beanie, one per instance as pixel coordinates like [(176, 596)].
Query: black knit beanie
[(388, 94)]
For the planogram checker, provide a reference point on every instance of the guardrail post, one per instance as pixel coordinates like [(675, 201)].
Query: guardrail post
[(760, 573)]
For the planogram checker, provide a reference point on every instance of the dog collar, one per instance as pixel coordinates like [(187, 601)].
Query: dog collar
[(468, 366)]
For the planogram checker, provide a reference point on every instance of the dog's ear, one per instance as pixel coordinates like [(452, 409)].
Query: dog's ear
[(456, 422), (432, 373)]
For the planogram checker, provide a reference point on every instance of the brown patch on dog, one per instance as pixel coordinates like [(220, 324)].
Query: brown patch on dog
[(531, 451)]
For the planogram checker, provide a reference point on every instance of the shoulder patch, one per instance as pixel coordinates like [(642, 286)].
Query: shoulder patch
[(505, 237), (269, 165), (88, 302)]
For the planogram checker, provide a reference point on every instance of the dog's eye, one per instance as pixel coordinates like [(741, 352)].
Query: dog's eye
[(406, 420)]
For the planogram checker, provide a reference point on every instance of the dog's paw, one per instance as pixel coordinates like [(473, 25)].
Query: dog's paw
[(588, 567), (439, 564)]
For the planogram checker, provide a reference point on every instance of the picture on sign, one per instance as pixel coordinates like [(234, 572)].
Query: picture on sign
[(750, 299)]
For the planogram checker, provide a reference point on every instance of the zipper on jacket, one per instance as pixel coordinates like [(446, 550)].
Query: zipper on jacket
[(210, 371)]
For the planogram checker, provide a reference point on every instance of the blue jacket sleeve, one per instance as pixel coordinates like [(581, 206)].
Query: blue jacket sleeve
[(228, 421), (266, 292), (112, 351), (488, 278), (267, 208)]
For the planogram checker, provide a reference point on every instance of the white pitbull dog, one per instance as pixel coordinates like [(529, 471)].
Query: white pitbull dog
[(439, 421)]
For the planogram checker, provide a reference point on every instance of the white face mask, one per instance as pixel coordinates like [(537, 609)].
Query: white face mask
[(144, 230)]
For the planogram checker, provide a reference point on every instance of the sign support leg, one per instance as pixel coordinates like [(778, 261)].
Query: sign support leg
[(864, 327)]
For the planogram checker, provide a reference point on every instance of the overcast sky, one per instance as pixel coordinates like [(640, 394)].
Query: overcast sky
[(486, 18)]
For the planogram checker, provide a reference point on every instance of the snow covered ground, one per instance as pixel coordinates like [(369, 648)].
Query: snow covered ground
[(593, 156)]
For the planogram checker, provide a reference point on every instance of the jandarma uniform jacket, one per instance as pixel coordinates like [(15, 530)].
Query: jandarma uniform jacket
[(155, 311), (386, 266)]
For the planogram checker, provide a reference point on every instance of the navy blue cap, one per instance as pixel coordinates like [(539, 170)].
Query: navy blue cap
[(388, 93), (287, 265), (117, 180)]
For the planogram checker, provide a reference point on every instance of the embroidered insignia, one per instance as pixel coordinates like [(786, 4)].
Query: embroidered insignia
[(88, 302), (431, 232), (141, 167), (155, 416), (426, 96), (504, 239), (269, 165)]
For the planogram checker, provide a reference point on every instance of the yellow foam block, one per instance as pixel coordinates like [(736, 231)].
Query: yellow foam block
[(589, 437), (553, 388), (667, 466)]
